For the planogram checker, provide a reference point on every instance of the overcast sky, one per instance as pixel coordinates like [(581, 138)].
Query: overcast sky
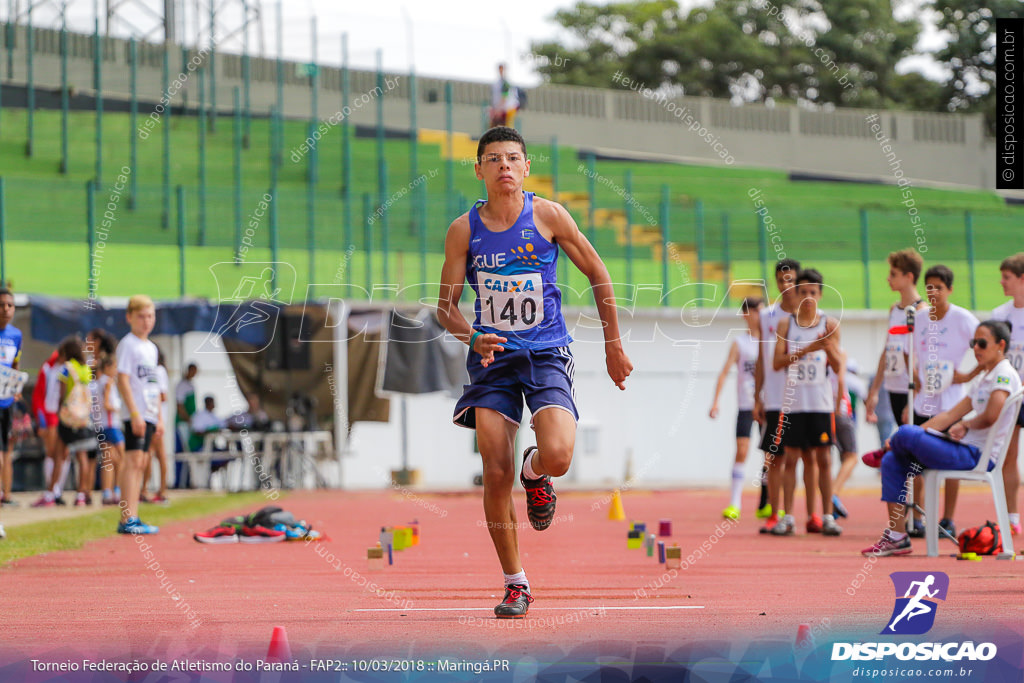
[(462, 39)]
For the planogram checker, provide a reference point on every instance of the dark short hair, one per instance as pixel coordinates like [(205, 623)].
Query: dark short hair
[(752, 303), (1000, 329), (191, 366), (907, 260), (106, 343), (4, 290), (71, 348), (810, 276), (787, 264), (942, 273), (499, 134)]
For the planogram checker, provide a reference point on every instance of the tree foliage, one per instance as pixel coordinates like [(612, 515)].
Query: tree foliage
[(838, 52)]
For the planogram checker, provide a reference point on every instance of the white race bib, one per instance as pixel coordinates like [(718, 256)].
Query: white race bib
[(511, 303), (151, 395), (938, 376), (895, 363), (808, 370), (1015, 354), (11, 381)]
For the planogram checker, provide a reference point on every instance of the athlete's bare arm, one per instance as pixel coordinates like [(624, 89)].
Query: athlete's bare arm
[(566, 233), (759, 383), (876, 383), (734, 353), (453, 276), (830, 344), (782, 356)]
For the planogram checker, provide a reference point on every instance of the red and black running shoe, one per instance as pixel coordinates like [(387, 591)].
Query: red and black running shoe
[(516, 603), (540, 498), (259, 534), (225, 533)]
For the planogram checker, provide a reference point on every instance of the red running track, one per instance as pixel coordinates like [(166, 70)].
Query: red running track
[(103, 600)]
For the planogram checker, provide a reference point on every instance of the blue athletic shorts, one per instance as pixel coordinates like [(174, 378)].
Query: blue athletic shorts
[(543, 376), (113, 435)]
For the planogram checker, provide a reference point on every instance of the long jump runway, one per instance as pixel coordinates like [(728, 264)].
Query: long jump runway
[(109, 599)]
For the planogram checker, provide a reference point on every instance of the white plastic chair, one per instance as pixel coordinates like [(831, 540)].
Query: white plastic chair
[(933, 478)]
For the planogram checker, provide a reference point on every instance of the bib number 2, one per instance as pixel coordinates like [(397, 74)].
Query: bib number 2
[(511, 303)]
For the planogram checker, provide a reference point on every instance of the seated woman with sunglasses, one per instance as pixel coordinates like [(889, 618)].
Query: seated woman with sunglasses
[(914, 448)]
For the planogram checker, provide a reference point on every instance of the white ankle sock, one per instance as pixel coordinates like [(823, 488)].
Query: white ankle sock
[(1014, 518), (737, 485), (528, 466), (519, 578)]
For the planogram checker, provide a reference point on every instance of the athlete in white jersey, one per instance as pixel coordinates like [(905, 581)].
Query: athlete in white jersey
[(942, 338), (1011, 272), (808, 343), (904, 270), (743, 354), (768, 387)]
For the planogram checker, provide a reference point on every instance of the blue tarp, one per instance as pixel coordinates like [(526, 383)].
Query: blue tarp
[(250, 322)]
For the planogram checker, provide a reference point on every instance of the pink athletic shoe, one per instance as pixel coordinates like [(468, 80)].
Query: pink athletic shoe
[(874, 458)]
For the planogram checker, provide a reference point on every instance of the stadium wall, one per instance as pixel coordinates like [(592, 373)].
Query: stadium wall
[(929, 148)]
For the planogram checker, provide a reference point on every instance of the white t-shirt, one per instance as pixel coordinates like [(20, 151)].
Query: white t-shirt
[(161, 379), (137, 359), (746, 364), (939, 350), (1000, 378), (774, 380), (203, 421), (106, 420), (182, 391), (1014, 316)]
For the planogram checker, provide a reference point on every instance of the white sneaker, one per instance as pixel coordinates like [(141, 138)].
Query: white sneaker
[(829, 526), (3, 534)]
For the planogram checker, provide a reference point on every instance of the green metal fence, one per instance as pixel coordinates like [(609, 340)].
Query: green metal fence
[(374, 209)]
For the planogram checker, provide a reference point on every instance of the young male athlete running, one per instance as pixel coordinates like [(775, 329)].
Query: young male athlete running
[(743, 354), (507, 248), (768, 385), (1011, 272)]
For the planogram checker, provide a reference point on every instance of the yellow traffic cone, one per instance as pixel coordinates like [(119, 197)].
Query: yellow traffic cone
[(615, 512)]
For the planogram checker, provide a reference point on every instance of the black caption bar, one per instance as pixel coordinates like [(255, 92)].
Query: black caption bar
[(1009, 86)]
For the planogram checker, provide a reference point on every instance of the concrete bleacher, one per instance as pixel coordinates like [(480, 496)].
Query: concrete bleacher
[(932, 148)]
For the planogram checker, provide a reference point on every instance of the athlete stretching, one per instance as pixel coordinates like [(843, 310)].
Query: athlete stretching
[(507, 248)]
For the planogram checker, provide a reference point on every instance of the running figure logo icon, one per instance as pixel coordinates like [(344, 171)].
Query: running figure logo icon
[(914, 612)]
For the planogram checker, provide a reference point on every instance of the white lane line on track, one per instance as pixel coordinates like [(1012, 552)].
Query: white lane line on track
[(488, 609)]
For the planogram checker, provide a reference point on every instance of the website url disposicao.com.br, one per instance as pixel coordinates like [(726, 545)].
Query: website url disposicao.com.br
[(868, 672)]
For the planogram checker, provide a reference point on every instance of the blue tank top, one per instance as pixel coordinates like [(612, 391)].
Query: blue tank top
[(513, 275)]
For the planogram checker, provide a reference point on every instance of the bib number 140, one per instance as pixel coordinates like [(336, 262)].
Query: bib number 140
[(511, 303)]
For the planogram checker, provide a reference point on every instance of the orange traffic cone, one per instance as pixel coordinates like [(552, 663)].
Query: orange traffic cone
[(615, 511), (279, 650)]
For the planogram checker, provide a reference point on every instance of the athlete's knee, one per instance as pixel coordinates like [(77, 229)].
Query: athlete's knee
[(556, 460), (498, 477)]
